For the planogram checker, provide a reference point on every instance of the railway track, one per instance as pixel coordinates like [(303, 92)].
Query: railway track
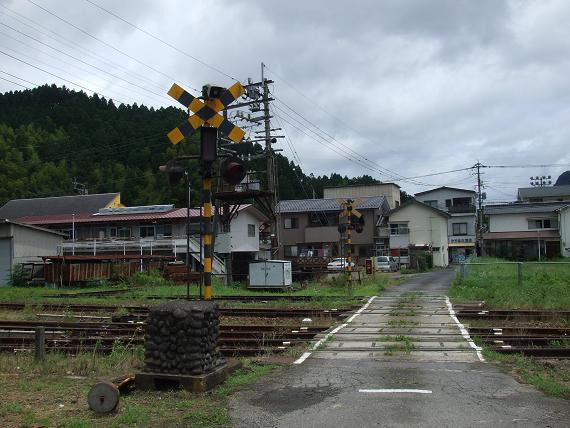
[(138, 311), (253, 298), (68, 337)]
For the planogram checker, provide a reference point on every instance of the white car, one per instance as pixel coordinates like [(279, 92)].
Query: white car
[(339, 264)]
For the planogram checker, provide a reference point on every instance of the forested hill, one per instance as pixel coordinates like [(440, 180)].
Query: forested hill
[(51, 135)]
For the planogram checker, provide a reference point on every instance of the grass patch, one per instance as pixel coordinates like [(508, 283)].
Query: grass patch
[(550, 377), (52, 394), (544, 286), (143, 286), (402, 323)]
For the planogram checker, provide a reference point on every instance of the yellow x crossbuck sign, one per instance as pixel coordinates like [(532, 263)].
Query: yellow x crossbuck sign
[(206, 112)]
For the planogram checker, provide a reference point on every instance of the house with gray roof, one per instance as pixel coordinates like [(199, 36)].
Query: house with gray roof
[(74, 204), (524, 230), (309, 227), (557, 193)]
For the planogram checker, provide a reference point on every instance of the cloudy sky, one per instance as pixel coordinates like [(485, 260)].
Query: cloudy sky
[(391, 88)]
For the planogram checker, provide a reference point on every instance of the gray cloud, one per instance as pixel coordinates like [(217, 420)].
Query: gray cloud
[(418, 86)]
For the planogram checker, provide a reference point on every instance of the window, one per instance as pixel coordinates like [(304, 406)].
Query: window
[(291, 223), (164, 230), (146, 231), (124, 232), (399, 229), (448, 203), (459, 229), (290, 250), (251, 230), (432, 204), (543, 223)]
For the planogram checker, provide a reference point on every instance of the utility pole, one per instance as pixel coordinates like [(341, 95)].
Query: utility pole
[(270, 159), (479, 165)]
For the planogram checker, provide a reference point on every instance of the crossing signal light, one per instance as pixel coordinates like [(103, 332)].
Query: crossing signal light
[(174, 170), (233, 170), (358, 224)]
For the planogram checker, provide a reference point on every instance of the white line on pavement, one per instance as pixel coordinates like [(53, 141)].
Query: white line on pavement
[(397, 391), (463, 330), (335, 330)]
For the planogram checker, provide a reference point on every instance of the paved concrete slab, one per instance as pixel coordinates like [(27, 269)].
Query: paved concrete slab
[(352, 379)]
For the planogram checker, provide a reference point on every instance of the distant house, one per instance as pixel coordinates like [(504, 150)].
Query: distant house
[(95, 225), (21, 243), (462, 224), (526, 230), (309, 227), (390, 191), (544, 193), (75, 204), (417, 226)]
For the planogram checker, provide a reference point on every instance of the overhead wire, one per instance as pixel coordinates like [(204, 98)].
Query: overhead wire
[(59, 77), (69, 43), (394, 174), (104, 42), (142, 30), (87, 63), (15, 83)]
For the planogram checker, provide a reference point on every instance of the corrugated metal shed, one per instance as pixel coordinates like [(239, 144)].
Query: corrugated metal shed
[(522, 208), (316, 205)]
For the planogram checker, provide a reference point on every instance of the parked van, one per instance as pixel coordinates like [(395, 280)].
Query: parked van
[(385, 264)]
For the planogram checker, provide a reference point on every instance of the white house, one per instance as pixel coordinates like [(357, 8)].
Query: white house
[(414, 225), (525, 230), (462, 224)]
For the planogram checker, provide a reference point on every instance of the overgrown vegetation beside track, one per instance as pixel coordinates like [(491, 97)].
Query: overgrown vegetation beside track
[(550, 376), (53, 393), (543, 286), (143, 287)]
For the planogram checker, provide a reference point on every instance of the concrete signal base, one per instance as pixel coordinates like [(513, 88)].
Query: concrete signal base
[(199, 383)]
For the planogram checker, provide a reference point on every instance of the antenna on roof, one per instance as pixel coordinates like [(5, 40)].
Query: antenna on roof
[(79, 188)]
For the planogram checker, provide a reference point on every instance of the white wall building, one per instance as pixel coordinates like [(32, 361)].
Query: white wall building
[(462, 224), (416, 225), (520, 231)]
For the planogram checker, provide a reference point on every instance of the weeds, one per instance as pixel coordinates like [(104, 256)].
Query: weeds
[(547, 377), (543, 286)]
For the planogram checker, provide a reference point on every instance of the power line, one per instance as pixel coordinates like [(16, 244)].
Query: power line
[(18, 84), (65, 71), (64, 40), (394, 174), (59, 77), (142, 30), (85, 62), (19, 78), (104, 42)]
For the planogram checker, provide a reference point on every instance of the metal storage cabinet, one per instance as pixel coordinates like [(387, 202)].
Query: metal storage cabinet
[(270, 274)]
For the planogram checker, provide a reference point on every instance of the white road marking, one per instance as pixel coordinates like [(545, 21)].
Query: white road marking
[(463, 330), (397, 391), (335, 330)]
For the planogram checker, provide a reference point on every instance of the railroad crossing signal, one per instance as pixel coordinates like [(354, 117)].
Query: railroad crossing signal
[(206, 112)]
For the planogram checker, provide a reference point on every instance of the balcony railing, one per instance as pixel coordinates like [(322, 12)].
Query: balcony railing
[(467, 208)]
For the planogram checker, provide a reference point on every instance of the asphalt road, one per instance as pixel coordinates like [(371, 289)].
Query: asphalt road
[(362, 376)]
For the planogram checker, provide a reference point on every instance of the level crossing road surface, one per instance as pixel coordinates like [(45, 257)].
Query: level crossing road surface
[(402, 361)]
